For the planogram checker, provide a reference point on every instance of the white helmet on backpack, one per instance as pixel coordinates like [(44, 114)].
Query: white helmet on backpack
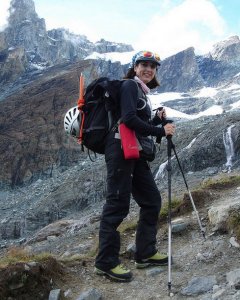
[(72, 122)]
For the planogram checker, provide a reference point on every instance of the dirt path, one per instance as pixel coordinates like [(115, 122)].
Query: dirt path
[(193, 256)]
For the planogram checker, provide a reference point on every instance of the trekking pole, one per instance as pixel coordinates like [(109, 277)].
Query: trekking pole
[(189, 193), (169, 169)]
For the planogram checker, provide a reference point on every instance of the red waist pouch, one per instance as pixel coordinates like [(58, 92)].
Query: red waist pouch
[(129, 142)]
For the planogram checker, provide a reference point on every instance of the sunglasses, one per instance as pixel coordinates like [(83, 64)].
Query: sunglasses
[(149, 54)]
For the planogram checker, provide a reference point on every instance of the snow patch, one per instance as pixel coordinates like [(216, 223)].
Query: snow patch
[(236, 105), (232, 87), (123, 57), (75, 39), (207, 92), (36, 66), (26, 21), (164, 97), (173, 113), (158, 99), (160, 171), (190, 144), (52, 39), (238, 74), (211, 111)]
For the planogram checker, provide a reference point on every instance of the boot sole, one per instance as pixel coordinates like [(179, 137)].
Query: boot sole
[(146, 265), (115, 278)]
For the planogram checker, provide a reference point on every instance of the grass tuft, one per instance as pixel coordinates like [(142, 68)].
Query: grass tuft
[(233, 223), (127, 226), (18, 254), (175, 204), (221, 183)]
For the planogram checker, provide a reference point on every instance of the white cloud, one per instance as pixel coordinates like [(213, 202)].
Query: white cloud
[(4, 5), (194, 23)]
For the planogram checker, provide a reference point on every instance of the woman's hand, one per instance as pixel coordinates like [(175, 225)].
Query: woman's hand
[(162, 114), (169, 129)]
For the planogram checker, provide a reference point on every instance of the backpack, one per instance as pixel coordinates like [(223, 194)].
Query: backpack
[(98, 113)]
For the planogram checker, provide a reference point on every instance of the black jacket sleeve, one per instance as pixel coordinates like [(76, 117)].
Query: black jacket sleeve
[(128, 104)]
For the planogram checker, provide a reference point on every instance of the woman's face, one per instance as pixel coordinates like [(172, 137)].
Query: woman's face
[(145, 71)]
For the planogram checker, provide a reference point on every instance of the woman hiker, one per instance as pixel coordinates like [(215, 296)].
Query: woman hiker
[(132, 176)]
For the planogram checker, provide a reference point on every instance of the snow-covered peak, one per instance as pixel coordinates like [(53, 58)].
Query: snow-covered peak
[(227, 49)]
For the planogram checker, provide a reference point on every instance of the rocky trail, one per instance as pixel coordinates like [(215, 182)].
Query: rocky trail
[(202, 269)]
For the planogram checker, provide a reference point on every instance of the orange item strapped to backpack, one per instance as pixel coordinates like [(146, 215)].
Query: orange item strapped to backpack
[(80, 104)]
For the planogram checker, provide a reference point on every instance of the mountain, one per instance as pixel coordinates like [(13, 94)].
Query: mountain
[(39, 78), (27, 48), (51, 194), (180, 72), (39, 82)]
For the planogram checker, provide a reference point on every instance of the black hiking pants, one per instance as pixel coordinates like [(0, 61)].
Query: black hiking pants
[(123, 178)]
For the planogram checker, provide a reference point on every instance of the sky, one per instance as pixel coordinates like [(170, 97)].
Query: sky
[(163, 26)]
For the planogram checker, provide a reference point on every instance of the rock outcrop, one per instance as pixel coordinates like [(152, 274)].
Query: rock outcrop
[(33, 141), (227, 50), (201, 144), (222, 64), (13, 64), (180, 72)]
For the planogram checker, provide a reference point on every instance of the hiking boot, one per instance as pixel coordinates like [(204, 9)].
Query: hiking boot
[(119, 273), (157, 259)]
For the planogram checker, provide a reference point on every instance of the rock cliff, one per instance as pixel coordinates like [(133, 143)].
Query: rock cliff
[(33, 141), (180, 72)]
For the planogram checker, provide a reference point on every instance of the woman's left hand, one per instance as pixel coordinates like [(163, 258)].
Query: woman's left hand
[(162, 114)]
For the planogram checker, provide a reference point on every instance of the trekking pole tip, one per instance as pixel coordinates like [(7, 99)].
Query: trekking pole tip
[(169, 288), (203, 234)]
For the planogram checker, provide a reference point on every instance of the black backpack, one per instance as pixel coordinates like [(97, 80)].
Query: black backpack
[(98, 114)]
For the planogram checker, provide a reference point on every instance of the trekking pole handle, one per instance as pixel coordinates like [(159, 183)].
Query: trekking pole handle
[(164, 122), (158, 139)]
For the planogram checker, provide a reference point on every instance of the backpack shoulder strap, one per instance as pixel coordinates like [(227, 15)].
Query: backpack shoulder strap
[(140, 91), (141, 95)]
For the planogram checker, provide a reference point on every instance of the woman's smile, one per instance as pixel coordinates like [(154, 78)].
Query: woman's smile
[(145, 71)]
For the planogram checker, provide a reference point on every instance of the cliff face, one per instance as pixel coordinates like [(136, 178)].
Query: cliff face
[(184, 70), (44, 47), (13, 64), (33, 141), (222, 65), (180, 72), (31, 126), (34, 49)]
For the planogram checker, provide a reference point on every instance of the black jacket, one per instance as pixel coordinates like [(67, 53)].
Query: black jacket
[(135, 114)]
